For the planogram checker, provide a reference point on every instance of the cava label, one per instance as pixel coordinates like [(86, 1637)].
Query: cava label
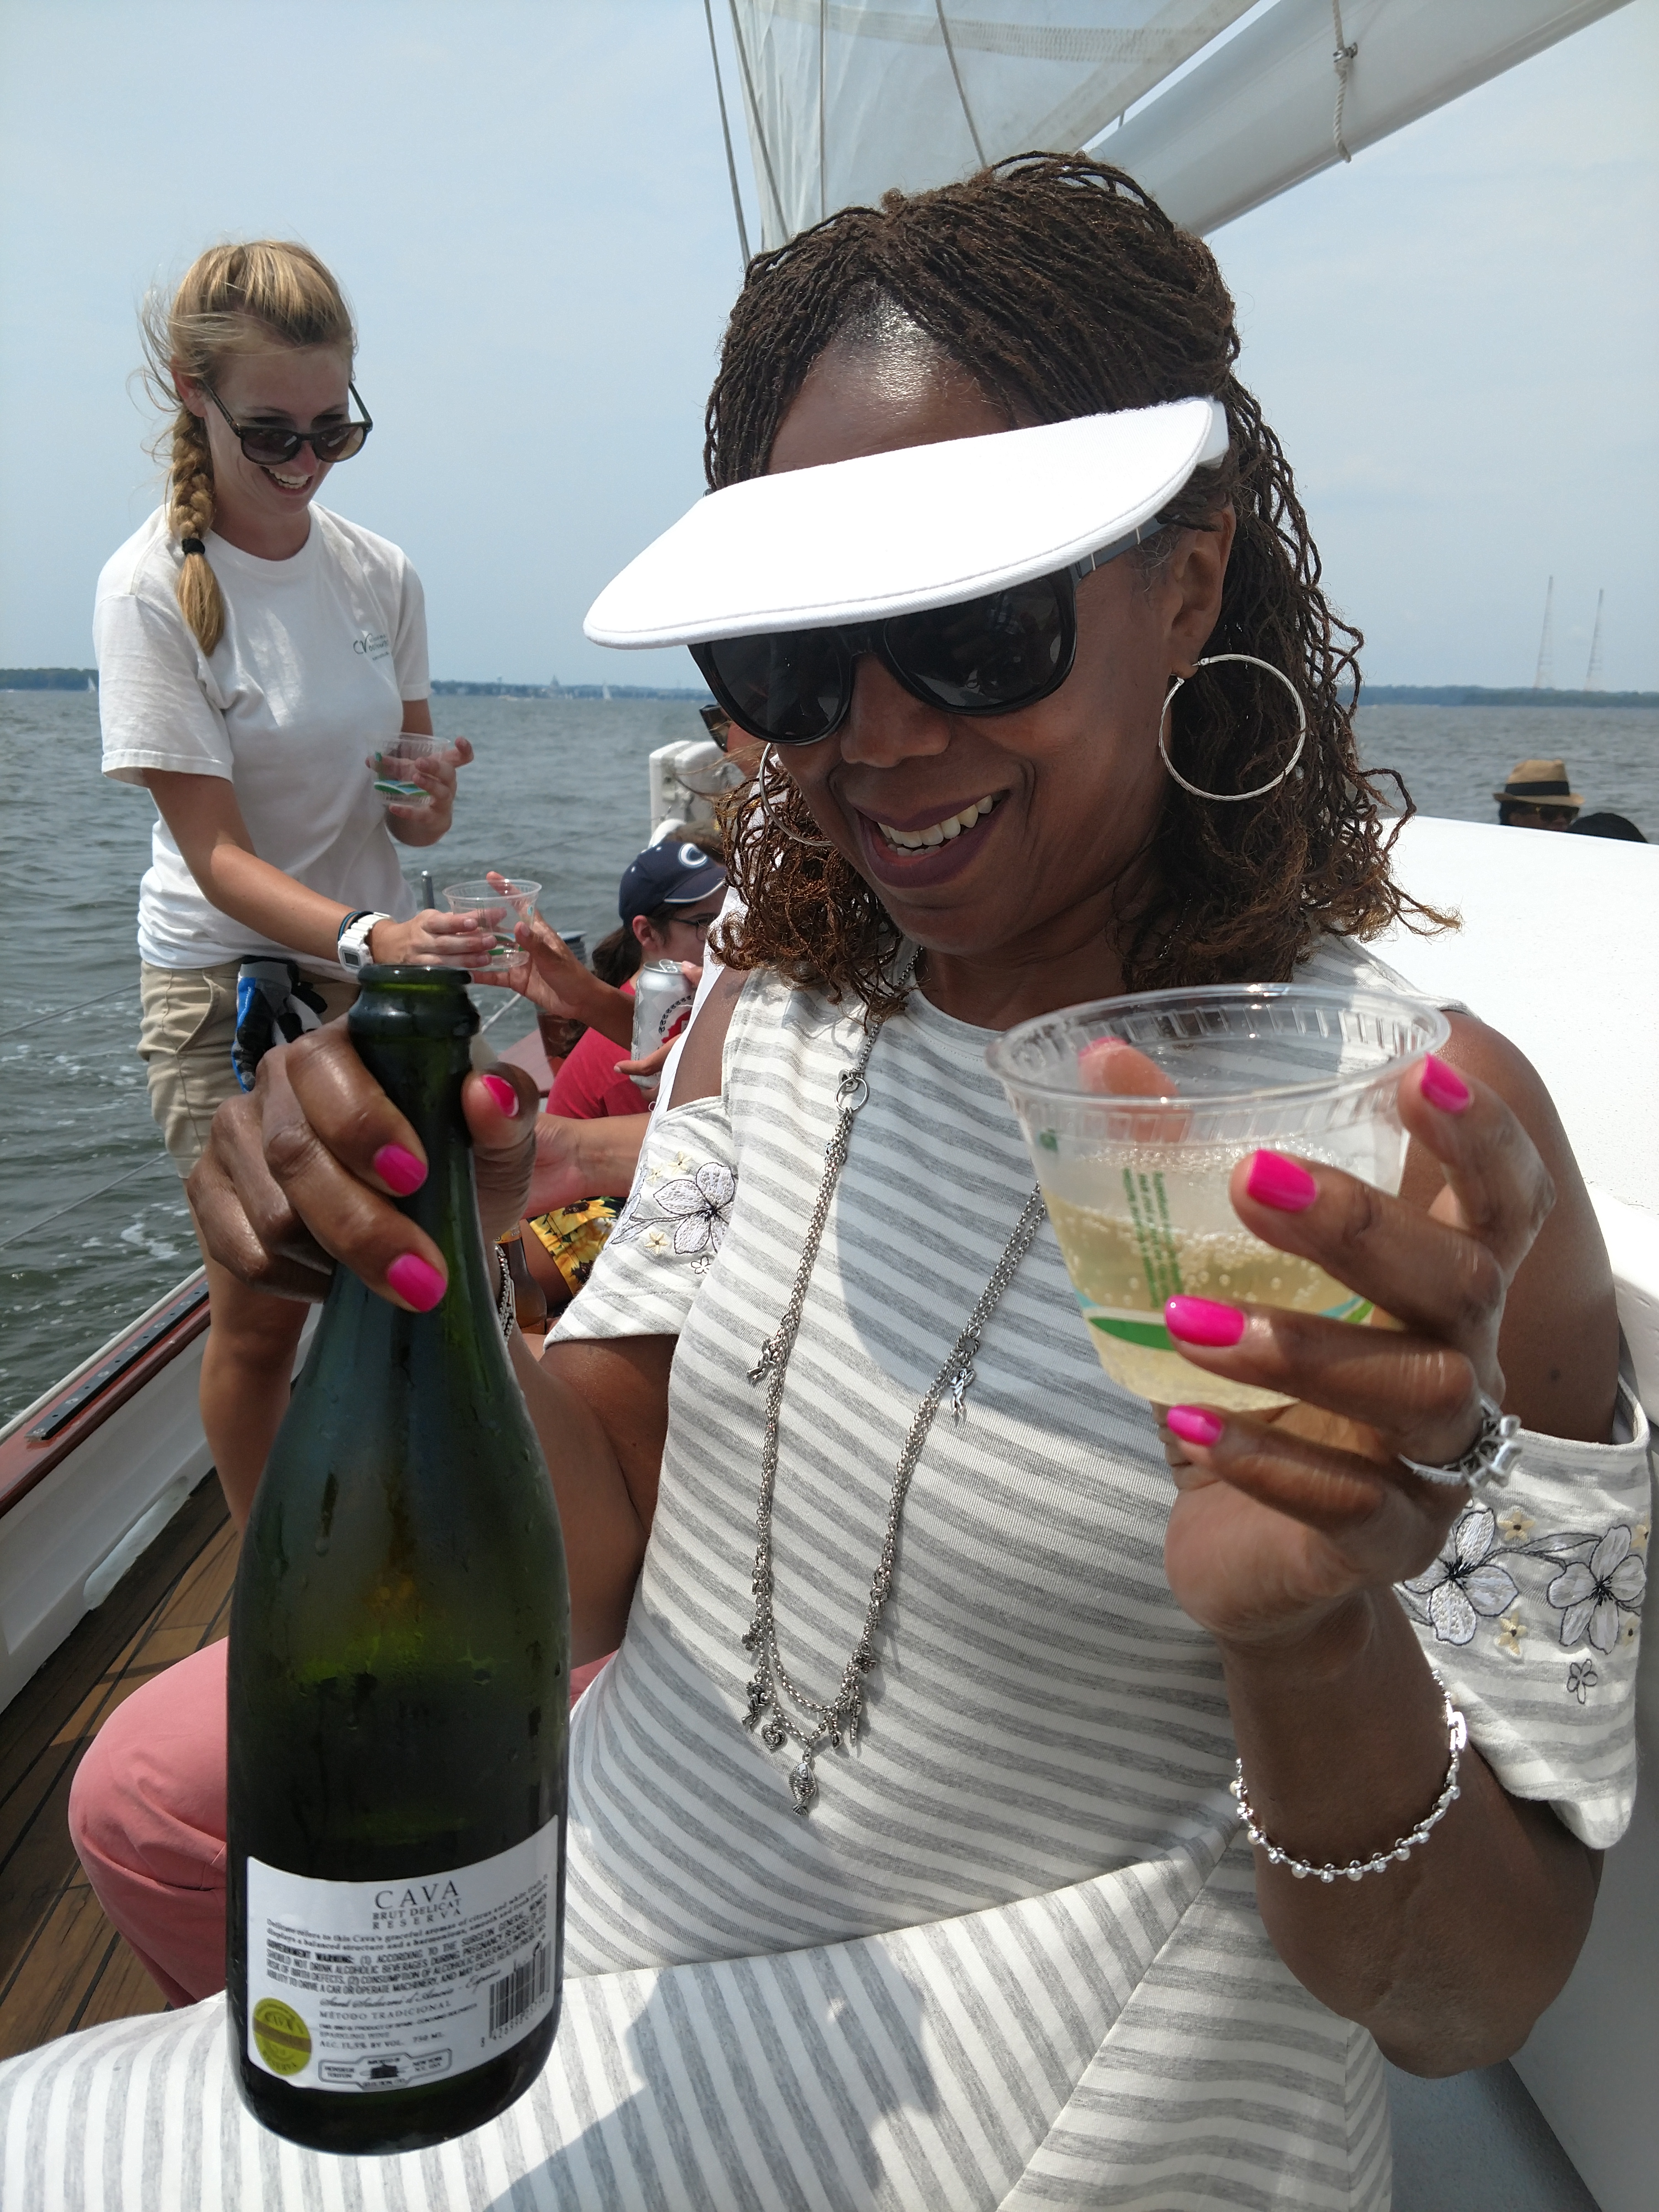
[(363, 1985)]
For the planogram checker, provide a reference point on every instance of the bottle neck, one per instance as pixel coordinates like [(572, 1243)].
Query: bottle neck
[(447, 1204), (415, 1038)]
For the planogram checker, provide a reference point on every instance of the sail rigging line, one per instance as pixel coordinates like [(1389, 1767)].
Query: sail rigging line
[(1343, 61), (824, 33), (85, 1197), (60, 1013), (726, 133), (962, 94), (756, 125)]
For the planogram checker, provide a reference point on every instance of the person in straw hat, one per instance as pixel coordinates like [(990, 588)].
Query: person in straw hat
[(1538, 797)]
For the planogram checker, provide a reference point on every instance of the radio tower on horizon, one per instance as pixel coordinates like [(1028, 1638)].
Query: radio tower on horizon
[(1545, 679), (1592, 673)]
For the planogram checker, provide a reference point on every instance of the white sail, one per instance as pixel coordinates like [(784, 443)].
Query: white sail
[(846, 98)]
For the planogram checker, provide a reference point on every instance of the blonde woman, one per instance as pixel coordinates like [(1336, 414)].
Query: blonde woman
[(254, 651)]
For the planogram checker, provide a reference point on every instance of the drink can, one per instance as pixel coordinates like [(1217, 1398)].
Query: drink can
[(662, 999)]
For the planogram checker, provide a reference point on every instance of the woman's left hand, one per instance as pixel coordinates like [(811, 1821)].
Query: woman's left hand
[(1280, 1520), (413, 823)]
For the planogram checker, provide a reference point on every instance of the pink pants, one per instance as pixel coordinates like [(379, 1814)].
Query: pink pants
[(147, 1814)]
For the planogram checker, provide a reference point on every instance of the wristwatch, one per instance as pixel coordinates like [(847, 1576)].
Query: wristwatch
[(351, 944)]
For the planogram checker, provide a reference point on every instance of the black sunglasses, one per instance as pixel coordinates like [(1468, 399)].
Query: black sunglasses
[(269, 444), (986, 656)]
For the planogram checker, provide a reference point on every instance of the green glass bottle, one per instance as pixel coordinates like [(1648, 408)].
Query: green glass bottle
[(399, 1684)]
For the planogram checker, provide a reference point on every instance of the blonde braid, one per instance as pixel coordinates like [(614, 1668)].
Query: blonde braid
[(190, 515), (232, 299)]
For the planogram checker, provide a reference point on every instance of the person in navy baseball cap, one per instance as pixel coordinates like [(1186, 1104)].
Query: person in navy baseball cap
[(670, 874)]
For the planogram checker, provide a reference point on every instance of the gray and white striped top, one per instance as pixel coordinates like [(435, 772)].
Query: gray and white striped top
[(1012, 1958)]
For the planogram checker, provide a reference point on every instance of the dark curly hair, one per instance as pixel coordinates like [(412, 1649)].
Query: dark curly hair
[(1063, 290)]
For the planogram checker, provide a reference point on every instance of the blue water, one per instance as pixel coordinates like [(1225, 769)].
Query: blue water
[(92, 1225), (557, 794)]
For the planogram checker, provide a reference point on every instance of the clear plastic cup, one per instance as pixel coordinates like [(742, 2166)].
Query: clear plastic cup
[(504, 904), (393, 785), (1134, 1148)]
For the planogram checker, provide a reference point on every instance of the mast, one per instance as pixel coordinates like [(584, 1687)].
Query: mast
[(1592, 673), (1545, 679)]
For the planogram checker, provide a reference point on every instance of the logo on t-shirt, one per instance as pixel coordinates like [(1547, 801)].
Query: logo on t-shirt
[(373, 643)]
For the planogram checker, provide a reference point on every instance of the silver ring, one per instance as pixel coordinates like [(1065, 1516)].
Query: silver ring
[(1489, 1459)]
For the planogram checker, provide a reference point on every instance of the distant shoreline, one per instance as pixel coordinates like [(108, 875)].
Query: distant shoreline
[(1372, 695), (1476, 694)]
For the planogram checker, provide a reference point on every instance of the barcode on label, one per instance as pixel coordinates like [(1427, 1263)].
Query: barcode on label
[(514, 1995)]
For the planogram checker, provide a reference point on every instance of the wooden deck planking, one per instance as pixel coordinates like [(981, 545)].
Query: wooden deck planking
[(62, 1965)]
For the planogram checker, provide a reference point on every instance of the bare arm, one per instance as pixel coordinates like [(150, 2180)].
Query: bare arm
[(1288, 1536), (578, 1160), (551, 977), (601, 1412), (207, 826)]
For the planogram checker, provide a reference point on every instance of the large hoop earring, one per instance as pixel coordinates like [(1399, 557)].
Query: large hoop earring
[(1233, 798), (776, 821)]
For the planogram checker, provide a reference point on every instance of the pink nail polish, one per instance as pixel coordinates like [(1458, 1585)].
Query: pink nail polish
[(1284, 1184), (398, 1169), (1442, 1086), (415, 1282), (503, 1094), (1203, 1320), (1193, 1425)]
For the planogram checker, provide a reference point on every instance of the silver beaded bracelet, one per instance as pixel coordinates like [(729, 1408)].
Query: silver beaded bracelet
[(1457, 1734)]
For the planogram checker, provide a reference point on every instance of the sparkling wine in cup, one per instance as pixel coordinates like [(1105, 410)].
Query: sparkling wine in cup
[(1137, 1110)]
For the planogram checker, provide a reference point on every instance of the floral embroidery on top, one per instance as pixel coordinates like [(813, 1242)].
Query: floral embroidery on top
[(1592, 1596), (699, 1206), (1581, 1678), (1460, 1584), (1597, 1588)]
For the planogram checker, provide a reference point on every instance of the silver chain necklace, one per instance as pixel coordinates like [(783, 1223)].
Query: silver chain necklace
[(778, 1707)]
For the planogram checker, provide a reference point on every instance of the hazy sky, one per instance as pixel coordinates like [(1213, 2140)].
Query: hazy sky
[(527, 203)]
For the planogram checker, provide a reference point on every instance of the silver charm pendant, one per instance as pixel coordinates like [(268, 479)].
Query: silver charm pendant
[(803, 1784), (961, 1382)]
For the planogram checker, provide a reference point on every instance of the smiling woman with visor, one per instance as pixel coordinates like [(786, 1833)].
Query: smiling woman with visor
[(904, 1869)]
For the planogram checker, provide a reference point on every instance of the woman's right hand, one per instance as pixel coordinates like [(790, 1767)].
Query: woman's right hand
[(434, 939), (302, 1172), (548, 973)]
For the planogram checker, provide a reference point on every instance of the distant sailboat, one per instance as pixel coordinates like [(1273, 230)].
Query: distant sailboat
[(1592, 673), (1545, 679)]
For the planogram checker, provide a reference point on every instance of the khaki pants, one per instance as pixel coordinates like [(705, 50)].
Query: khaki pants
[(185, 1035)]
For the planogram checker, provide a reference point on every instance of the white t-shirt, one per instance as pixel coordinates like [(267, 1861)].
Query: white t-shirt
[(318, 654)]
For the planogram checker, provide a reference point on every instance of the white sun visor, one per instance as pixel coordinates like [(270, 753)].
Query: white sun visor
[(921, 527)]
